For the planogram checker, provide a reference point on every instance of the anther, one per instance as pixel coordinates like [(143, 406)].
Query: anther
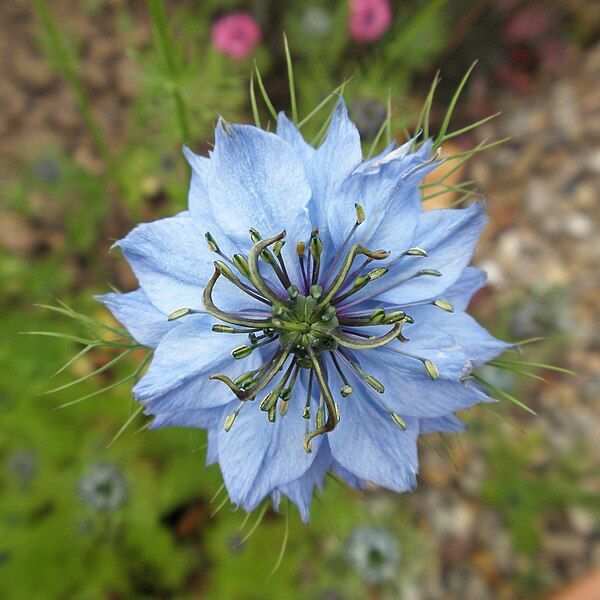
[(360, 214), (269, 400), (374, 383), (278, 247), (432, 272), (254, 235), (444, 305), (416, 252), (431, 369), (346, 391), (242, 352), (241, 264), (220, 328), (272, 414), (395, 317), (300, 247), (316, 247), (245, 379), (399, 421), (211, 242), (376, 273), (377, 316), (293, 292), (181, 312), (229, 421)]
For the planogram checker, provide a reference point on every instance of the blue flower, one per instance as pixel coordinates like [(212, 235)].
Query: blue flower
[(307, 312)]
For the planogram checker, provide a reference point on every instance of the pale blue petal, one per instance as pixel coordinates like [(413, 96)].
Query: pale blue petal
[(447, 424), (212, 447), (134, 311), (290, 133), (412, 394), (257, 456), (331, 164), (449, 236), (199, 418), (370, 445), (454, 342), (300, 491), (172, 262), (469, 283), (198, 202), (392, 202), (178, 379), (257, 180)]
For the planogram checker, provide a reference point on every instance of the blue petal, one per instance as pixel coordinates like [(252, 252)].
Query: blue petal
[(300, 491), (447, 424), (455, 342), (331, 164), (290, 133), (392, 201), (256, 180), (212, 447), (411, 394), (178, 378), (134, 311), (469, 283), (198, 418), (257, 456), (370, 445), (449, 236), (172, 262), (198, 202)]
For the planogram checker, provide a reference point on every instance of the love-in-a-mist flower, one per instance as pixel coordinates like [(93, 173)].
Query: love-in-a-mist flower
[(369, 19), (236, 35), (307, 312)]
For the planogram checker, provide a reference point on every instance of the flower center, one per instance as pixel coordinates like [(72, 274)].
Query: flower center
[(307, 325)]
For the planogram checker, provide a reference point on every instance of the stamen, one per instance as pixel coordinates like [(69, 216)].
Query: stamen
[(377, 317), (220, 328), (271, 398), (277, 248), (360, 217), (361, 282), (182, 312), (421, 273), (347, 389), (316, 249), (230, 420), (430, 367), (230, 276), (245, 351), (300, 247), (213, 247), (268, 257), (241, 264), (212, 310), (444, 305), (355, 366)]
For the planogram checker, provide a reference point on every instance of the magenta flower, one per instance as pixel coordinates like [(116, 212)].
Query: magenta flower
[(369, 19), (236, 35)]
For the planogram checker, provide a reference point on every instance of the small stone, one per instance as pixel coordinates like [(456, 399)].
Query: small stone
[(578, 225)]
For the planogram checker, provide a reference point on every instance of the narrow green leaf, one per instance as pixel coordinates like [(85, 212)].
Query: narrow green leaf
[(126, 425), (290, 73), (263, 92), (452, 106), (504, 395), (253, 102), (338, 90), (283, 543), (458, 132)]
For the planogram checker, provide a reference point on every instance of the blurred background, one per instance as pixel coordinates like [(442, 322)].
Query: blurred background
[(96, 99)]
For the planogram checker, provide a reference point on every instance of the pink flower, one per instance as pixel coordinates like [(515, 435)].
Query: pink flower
[(369, 19), (236, 35)]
